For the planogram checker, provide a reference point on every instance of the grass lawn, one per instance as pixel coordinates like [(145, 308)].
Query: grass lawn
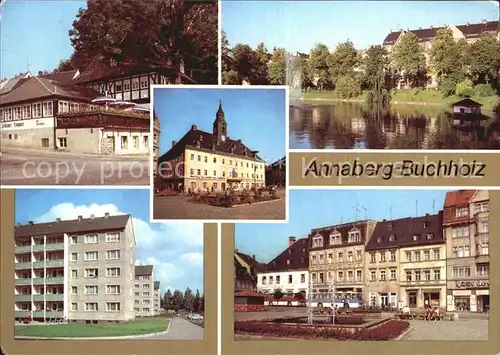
[(408, 96), (134, 327)]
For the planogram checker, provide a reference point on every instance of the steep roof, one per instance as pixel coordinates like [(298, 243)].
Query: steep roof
[(74, 226), (250, 260), (467, 103), (39, 88), (201, 140), (399, 233), (63, 77), (458, 198), (295, 257), (343, 230), (423, 34), (478, 29), (144, 270), (280, 163), (241, 272)]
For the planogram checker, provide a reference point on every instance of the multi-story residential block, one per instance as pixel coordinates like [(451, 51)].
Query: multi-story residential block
[(423, 262), (382, 263), (466, 229), (78, 270), (157, 298), (144, 297), (203, 161), (337, 252), (288, 271)]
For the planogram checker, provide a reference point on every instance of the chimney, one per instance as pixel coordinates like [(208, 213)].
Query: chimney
[(40, 73), (431, 26), (106, 215), (427, 215), (92, 216), (291, 240), (239, 141), (58, 220), (30, 223), (384, 220), (79, 218), (483, 20), (467, 23), (193, 127), (253, 256), (174, 143)]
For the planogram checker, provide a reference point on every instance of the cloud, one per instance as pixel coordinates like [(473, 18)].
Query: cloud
[(175, 249)]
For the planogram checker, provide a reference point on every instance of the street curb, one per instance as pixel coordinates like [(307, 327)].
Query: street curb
[(97, 338), (256, 203), (79, 155)]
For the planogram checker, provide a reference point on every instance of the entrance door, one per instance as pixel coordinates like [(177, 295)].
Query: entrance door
[(384, 300), (412, 299), (223, 186)]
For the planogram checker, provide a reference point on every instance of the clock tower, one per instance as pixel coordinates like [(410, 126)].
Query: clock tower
[(220, 125)]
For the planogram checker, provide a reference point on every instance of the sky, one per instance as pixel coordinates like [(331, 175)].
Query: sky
[(266, 241), (175, 249), (256, 116), (298, 25), (35, 32)]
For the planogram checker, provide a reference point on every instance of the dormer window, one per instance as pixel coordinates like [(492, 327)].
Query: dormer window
[(198, 144), (335, 238), (288, 262), (213, 146), (354, 236), (379, 240), (390, 226), (430, 236), (461, 212), (425, 224), (392, 238), (415, 237), (317, 241)]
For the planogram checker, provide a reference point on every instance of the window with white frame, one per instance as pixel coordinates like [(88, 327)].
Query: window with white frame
[(91, 239), (93, 272), (359, 275), (461, 271), (37, 110), (113, 289), (482, 270), (393, 274), (112, 237), (484, 227), (2, 115), (350, 256), (408, 255), (74, 257), (74, 307), (124, 142), (135, 83), (373, 257), (91, 255), (91, 290), (373, 275), (145, 302), (18, 113), (73, 107), (427, 275), (63, 107), (112, 306), (340, 257), (74, 273), (145, 294), (437, 274), (147, 285), (408, 275), (145, 309), (437, 255), (317, 241), (91, 306), (321, 259), (393, 255), (113, 272), (481, 207), (373, 299), (74, 290), (47, 109), (113, 254), (73, 240), (382, 256), (354, 236), (135, 142), (427, 255), (461, 212), (382, 275), (460, 232), (359, 255), (335, 239), (26, 111), (483, 249)]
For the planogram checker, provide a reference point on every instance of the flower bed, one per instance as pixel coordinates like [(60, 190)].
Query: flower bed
[(385, 331), (231, 200), (167, 193)]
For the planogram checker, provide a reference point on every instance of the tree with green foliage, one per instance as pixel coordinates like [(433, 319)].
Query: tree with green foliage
[(446, 56), (182, 32), (342, 61), (464, 88), (485, 61), (496, 109), (245, 61), (166, 301), (376, 57), (277, 69), (318, 66), (196, 301), (202, 303), (260, 75), (188, 300), (409, 59), (379, 96), (177, 300), (347, 87)]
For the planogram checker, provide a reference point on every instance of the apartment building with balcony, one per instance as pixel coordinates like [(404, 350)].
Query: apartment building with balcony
[(423, 262), (76, 270), (336, 255), (466, 229), (289, 271), (157, 298), (144, 305)]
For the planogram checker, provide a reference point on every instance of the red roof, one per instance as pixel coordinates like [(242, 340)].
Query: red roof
[(248, 293), (460, 197)]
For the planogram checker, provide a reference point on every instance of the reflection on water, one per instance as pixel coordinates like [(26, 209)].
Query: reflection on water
[(351, 125)]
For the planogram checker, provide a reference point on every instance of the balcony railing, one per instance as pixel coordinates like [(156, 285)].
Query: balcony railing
[(38, 247), (21, 314), (22, 281), (482, 216), (22, 266), (54, 263), (38, 264), (54, 297), (22, 298), (54, 280), (54, 246), (38, 298), (420, 282), (23, 249)]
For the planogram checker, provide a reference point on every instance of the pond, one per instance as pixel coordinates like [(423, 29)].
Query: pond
[(349, 125)]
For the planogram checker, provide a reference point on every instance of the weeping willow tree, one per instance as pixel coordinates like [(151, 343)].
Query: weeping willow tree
[(379, 97)]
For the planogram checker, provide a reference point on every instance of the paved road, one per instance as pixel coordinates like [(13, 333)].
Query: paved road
[(180, 329), (51, 169), (177, 207), (463, 329)]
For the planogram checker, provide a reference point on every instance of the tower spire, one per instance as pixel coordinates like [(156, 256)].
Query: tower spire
[(220, 125)]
